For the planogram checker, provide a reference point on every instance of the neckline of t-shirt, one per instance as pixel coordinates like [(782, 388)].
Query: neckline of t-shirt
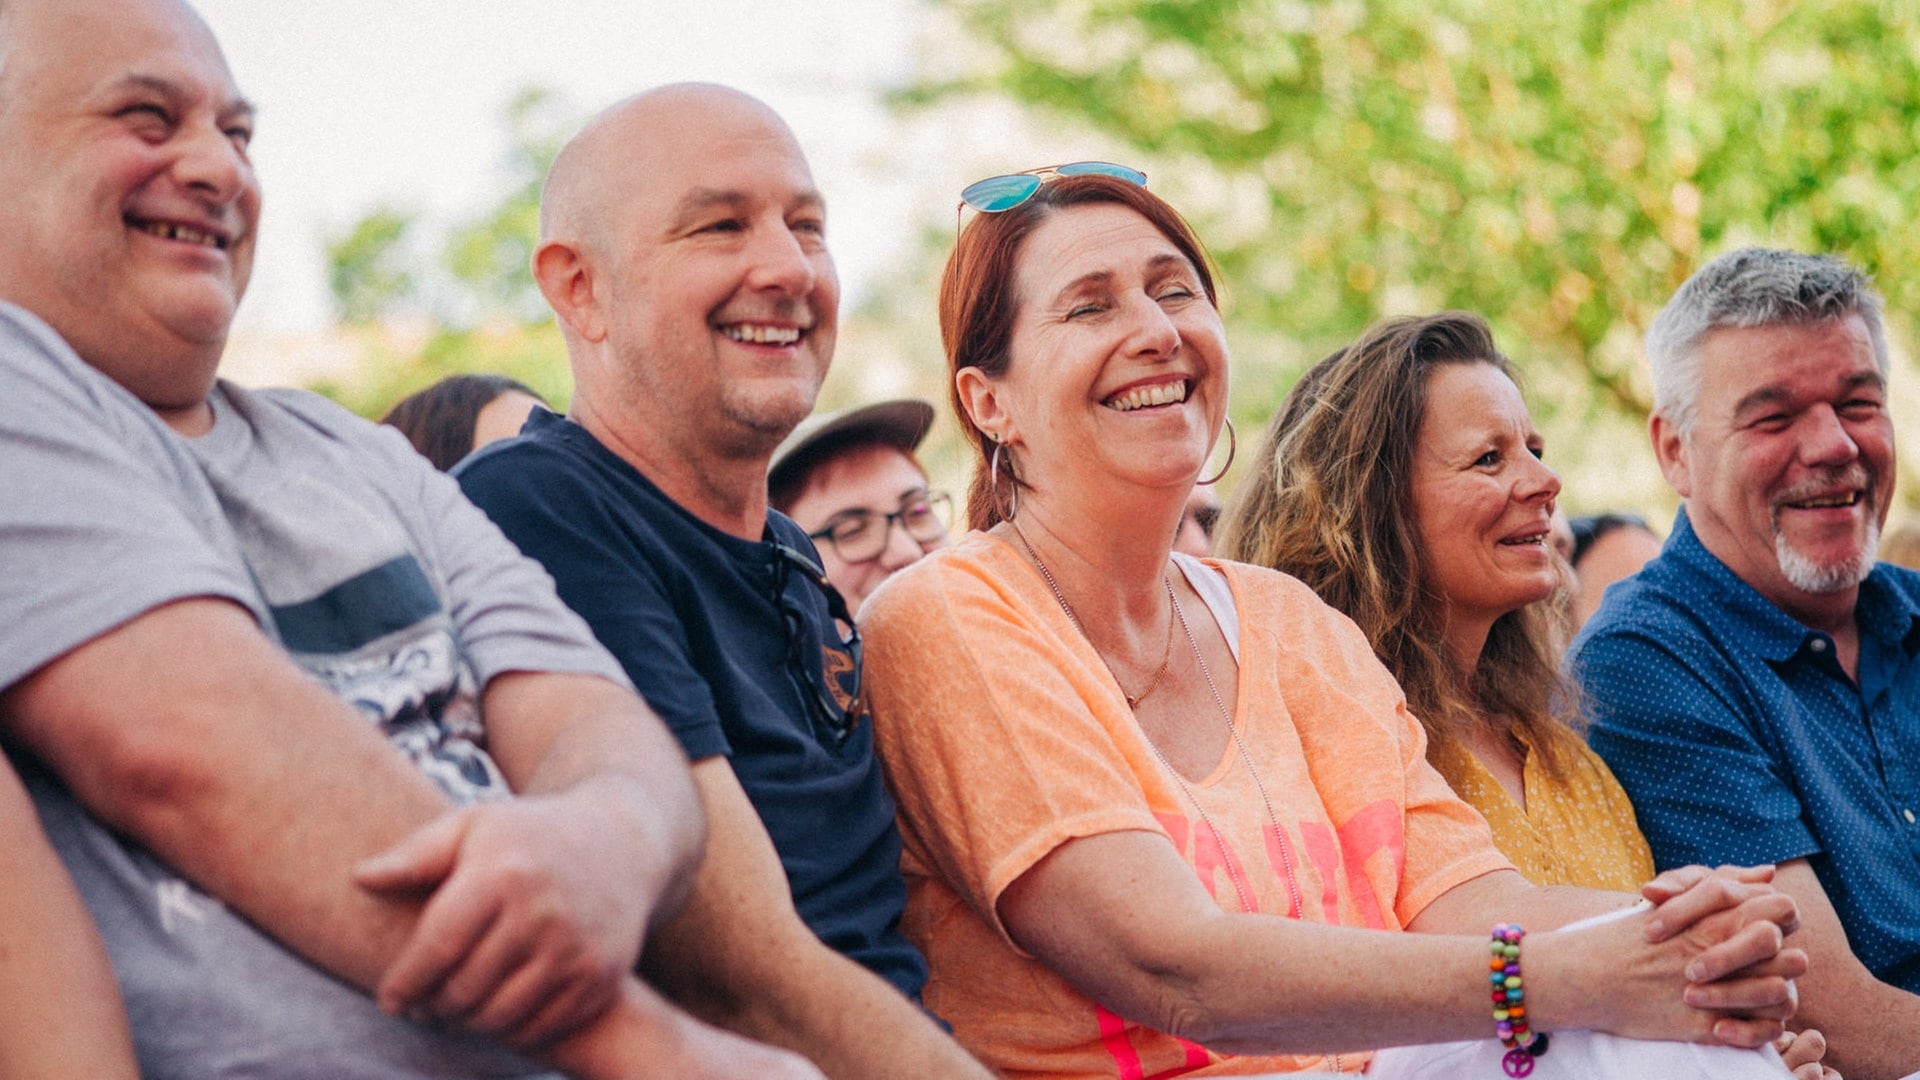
[(1214, 587), (758, 552)]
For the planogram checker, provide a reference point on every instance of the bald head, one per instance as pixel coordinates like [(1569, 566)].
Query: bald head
[(683, 248), (636, 141), (131, 203)]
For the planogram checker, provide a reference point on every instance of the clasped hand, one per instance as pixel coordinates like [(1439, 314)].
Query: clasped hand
[(535, 907), (1716, 936)]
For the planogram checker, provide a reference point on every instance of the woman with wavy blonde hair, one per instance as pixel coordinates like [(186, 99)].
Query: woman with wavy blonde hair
[(1402, 480)]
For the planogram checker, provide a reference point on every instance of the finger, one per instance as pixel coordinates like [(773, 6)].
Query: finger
[(1767, 997), (1747, 1034), (1708, 895), (1674, 882), (577, 1003), (1753, 944), (422, 860), (477, 975), (450, 925), (1799, 1049)]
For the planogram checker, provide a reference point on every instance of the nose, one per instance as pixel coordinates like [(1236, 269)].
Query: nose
[(1152, 331), (1826, 441), (902, 550), (1538, 481), (211, 163), (783, 262)]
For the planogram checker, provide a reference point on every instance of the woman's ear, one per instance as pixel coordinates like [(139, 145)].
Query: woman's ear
[(981, 398)]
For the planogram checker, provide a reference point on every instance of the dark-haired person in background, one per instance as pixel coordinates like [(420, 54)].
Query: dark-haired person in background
[(462, 413), (1606, 548)]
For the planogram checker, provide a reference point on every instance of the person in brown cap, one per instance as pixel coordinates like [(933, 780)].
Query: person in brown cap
[(849, 478)]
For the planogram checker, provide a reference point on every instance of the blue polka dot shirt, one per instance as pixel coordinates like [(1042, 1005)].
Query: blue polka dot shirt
[(1741, 739)]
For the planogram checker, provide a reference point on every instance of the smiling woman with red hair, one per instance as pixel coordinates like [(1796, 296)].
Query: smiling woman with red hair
[(1170, 816)]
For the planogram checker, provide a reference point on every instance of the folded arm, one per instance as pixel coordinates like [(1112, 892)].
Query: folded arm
[(1122, 918), (188, 730)]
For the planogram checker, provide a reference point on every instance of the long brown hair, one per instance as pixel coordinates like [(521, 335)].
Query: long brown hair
[(1327, 500), (978, 305)]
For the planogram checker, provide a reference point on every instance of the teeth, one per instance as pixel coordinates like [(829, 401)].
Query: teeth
[(166, 230), (1831, 500), (1144, 396), (762, 335)]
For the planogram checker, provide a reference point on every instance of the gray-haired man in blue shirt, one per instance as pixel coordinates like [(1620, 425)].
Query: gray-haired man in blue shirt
[(1756, 687)]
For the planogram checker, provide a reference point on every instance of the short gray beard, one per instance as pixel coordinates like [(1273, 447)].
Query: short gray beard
[(1812, 577)]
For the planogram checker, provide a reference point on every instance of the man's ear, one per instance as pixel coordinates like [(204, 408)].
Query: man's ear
[(981, 398), (1670, 449), (566, 279)]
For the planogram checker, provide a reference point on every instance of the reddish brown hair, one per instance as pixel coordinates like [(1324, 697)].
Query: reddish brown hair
[(978, 304)]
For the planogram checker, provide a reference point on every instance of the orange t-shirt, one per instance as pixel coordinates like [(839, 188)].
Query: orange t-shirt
[(1004, 737)]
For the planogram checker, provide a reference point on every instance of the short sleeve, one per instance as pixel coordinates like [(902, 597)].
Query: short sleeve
[(505, 611), (1448, 842), (994, 732), (553, 512), (103, 514), (1705, 787)]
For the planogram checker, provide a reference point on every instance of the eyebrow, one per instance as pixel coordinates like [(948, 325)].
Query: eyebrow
[(1101, 277), (1776, 395), (703, 199), (237, 108)]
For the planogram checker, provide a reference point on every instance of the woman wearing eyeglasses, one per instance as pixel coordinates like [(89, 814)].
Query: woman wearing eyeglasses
[(851, 480), (1168, 816)]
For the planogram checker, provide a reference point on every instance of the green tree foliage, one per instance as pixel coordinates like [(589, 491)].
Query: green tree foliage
[(367, 268), (474, 307), (1557, 165)]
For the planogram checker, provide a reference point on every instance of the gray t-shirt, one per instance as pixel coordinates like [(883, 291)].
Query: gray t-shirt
[(367, 566)]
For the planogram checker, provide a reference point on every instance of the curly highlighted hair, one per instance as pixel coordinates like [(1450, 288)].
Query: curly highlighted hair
[(1328, 499)]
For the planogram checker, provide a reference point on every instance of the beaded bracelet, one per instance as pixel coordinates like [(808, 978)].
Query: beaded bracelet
[(1510, 1002)]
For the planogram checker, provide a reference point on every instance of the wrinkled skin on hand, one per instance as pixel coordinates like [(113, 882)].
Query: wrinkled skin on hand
[(532, 916)]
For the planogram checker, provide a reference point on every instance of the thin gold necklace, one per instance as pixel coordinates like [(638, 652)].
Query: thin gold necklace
[(1166, 654)]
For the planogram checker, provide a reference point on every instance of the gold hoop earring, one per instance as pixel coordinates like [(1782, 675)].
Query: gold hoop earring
[(1233, 446)]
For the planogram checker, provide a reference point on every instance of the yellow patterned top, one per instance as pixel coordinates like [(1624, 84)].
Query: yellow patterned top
[(1578, 832)]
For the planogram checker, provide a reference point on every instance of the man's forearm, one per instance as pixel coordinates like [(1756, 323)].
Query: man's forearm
[(188, 731), (740, 957), (554, 733)]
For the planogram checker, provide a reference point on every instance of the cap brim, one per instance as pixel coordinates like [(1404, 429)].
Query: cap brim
[(902, 423)]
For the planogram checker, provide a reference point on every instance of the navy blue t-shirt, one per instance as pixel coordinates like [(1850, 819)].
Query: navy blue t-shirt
[(731, 646)]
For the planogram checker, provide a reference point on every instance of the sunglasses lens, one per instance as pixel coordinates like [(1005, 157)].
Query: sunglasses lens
[(1103, 168), (997, 193)]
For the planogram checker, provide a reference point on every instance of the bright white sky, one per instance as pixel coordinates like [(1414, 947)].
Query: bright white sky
[(364, 102)]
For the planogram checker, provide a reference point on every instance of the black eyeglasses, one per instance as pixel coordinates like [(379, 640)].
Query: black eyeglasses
[(861, 535), (824, 690)]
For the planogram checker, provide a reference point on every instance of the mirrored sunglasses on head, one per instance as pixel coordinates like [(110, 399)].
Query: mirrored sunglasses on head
[(997, 194)]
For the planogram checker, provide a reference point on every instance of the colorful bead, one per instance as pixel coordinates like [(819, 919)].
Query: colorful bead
[(1509, 1002)]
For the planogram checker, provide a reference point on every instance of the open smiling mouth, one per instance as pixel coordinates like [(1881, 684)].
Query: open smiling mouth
[(758, 334), (1538, 539), (1146, 397), (186, 234), (1825, 502)]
